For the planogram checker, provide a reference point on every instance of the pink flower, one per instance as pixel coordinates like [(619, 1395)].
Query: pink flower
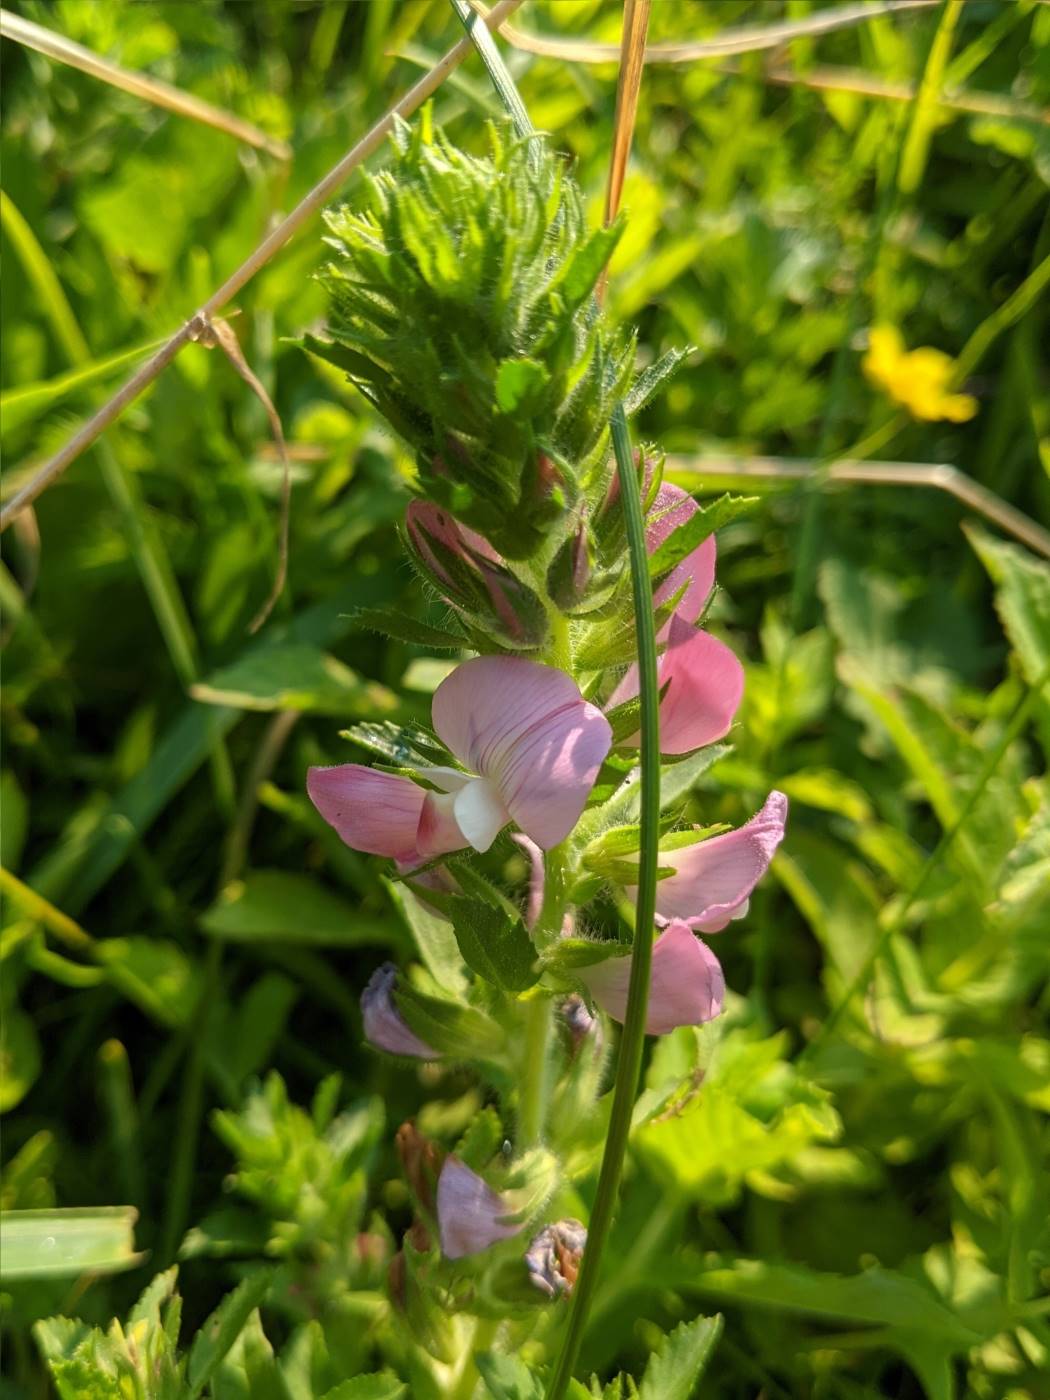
[(533, 746), (705, 684), (672, 508), (385, 1027), (471, 1216), (686, 989), (713, 880)]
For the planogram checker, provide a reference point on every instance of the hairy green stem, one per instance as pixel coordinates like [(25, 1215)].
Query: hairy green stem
[(633, 1039), (535, 1076)]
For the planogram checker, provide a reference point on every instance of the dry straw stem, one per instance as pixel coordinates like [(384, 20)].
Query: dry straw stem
[(722, 472), (63, 50), (744, 39), (276, 239)]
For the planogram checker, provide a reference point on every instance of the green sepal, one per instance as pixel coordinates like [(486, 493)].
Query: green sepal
[(681, 542), (461, 1032)]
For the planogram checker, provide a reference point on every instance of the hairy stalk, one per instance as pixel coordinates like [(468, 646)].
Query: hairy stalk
[(633, 1039)]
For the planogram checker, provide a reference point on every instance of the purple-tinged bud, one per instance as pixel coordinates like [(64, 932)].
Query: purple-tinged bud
[(471, 1216), (579, 1020), (570, 573), (473, 577), (553, 1257), (385, 1027)]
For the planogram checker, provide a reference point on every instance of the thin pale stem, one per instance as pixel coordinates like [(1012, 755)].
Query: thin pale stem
[(185, 104), (271, 244)]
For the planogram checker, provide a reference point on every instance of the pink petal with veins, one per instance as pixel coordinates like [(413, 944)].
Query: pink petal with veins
[(526, 729), (686, 989)]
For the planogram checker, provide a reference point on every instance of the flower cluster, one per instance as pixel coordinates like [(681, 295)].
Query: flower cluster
[(460, 303)]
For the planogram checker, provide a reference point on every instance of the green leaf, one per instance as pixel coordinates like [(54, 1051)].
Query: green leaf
[(650, 381), (295, 676), (402, 628), (277, 906), (508, 1378), (520, 385), (623, 807), (673, 1371), (685, 538), (495, 947), (223, 1327), (459, 1031), (20, 1057), (15, 807), (877, 1296), (569, 953), (381, 1385), (67, 1243), (154, 974), (1022, 598), (434, 938)]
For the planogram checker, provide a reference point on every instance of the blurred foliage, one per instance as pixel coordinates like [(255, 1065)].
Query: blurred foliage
[(854, 1170)]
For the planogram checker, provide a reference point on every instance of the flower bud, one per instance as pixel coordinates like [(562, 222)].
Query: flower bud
[(471, 1216), (553, 1257), (569, 574), (472, 577), (421, 1163), (385, 1027)]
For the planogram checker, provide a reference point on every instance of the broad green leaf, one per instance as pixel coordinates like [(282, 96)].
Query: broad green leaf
[(219, 1332), (295, 677), (876, 1297), (67, 1243), (673, 1371), (26, 402), (497, 948), (279, 906)]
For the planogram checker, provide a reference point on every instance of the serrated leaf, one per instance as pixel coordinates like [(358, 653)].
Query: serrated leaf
[(673, 1371), (495, 947), (403, 745), (689, 536), (624, 805), (223, 1327)]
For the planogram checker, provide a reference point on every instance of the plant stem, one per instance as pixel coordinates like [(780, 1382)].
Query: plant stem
[(532, 1110), (633, 1039)]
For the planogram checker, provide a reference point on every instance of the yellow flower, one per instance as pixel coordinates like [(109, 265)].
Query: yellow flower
[(916, 379)]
